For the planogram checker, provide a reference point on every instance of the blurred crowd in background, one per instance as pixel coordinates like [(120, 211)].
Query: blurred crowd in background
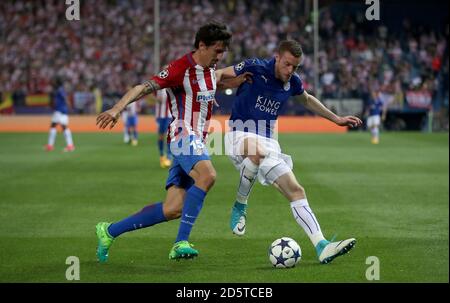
[(111, 48)]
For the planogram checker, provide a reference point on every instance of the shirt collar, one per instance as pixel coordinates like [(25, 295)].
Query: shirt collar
[(190, 59), (193, 63)]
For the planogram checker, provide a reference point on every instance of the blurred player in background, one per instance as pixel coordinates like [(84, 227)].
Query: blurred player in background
[(376, 114), (60, 116), (254, 152), (191, 84), (130, 120), (163, 119), (126, 135)]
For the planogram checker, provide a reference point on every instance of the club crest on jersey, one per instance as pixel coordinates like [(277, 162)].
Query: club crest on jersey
[(240, 66), (287, 86), (163, 74), (206, 96)]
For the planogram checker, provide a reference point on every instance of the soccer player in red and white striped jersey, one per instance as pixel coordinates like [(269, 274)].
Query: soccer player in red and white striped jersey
[(191, 84), (191, 89)]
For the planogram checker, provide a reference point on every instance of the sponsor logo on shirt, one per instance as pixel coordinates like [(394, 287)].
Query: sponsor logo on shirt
[(206, 96), (267, 105)]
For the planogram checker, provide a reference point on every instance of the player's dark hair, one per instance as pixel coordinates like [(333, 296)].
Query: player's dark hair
[(57, 82), (291, 46), (212, 32)]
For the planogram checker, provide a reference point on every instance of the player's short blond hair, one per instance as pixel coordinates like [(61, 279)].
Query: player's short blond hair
[(291, 46)]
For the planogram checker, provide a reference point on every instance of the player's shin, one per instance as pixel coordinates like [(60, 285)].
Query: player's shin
[(193, 203), (248, 173), (307, 220), (169, 153), (126, 136), (68, 136), (375, 132), (161, 147), (148, 216), (52, 136)]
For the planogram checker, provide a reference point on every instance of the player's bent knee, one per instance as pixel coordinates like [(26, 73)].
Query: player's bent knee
[(175, 214), (204, 175), (272, 168), (257, 158), (172, 213), (298, 192), (210, 179), (206, 181), (253, 150)]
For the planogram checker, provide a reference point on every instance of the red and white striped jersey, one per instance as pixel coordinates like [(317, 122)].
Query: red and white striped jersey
[(162, 107), (191, 90)]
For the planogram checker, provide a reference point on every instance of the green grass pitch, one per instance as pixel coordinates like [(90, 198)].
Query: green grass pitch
[(392, 197)]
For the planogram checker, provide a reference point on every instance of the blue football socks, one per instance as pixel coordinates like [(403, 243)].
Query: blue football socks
[(193, 203), (148, 216)]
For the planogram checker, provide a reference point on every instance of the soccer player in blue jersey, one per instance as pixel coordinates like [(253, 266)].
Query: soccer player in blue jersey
[(376, 113), (60, 116), (130, 119), (255, 152)]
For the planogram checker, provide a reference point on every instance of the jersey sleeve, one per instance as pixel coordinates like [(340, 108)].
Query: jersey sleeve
[(172, 76), (297, 88), (248, 65)]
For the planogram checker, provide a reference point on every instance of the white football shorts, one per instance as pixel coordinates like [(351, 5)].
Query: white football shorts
[(373, 121), (60, 118), (274, 156)]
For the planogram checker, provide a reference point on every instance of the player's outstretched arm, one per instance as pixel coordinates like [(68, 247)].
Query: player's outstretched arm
[(234, 82), (111, 116), (313, 104), (227, 78), (225, 73)]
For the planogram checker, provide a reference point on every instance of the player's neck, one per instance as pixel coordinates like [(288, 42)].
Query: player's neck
[(198, 59)]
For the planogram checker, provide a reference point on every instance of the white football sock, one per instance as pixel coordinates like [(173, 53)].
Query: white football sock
[(52, 136), (68, 136), (126, 136), (375, 132), (249, 170), (307, 220)]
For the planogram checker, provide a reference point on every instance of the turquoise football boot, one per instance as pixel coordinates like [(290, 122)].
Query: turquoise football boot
[(238, 218), (327, 251)]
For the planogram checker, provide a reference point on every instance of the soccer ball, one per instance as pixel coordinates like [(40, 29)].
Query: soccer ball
[(284, 253)]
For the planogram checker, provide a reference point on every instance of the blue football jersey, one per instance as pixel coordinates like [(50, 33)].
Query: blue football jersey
[(376, 107), (61, 100), (257, 105)]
